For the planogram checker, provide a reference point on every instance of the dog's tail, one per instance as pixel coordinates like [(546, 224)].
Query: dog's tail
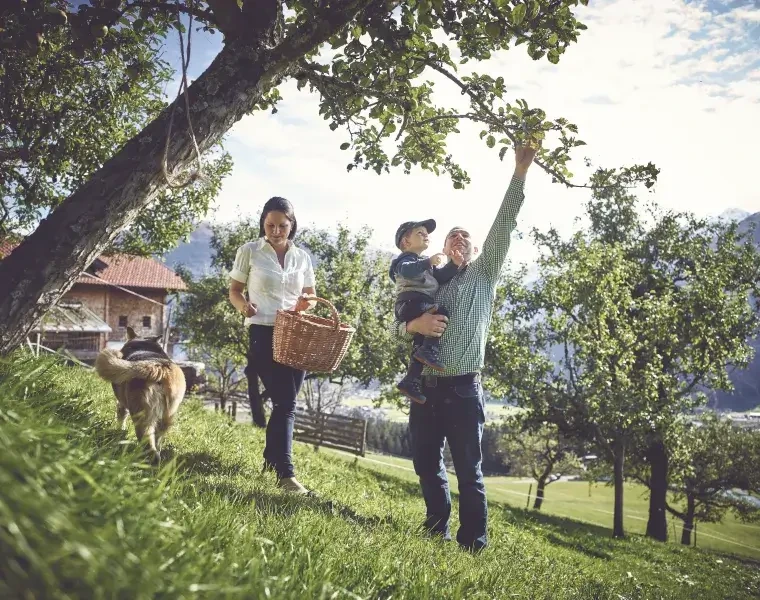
[(112, 367)]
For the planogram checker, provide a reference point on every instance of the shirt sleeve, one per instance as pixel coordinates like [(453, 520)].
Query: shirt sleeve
[(497, 243), (308, 278), (445, 273), (398, 332), (242, 265), (412, 266)]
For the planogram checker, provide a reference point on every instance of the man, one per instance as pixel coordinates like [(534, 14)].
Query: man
[(454, 410)]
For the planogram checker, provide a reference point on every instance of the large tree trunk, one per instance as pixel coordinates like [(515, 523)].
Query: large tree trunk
[(46, 264), (539, 494), (688, 522), (657, 525), (542, 486), (618, 530)]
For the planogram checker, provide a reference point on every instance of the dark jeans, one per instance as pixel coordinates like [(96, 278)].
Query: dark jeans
[(454, 411), (408, 307), (282, 383)]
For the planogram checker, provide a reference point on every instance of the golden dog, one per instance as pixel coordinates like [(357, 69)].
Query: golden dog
[(148, 385)]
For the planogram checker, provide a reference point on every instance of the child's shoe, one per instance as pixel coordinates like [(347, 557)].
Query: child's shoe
[(430, 356), (412, 389)]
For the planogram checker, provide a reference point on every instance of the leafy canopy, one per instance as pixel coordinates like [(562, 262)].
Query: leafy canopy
[(377, 77), (73, 95)]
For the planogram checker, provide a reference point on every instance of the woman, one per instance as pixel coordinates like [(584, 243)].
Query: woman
[(278, 275)]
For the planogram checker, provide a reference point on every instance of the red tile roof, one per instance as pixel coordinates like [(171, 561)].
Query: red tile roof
[(6, 247), (135, 271), (123, 270)]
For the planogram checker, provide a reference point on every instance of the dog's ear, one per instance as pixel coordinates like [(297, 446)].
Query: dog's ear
[(155, 338), (131, 333)]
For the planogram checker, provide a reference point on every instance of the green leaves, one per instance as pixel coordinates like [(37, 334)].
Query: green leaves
[(381, 86), (625, 320), (81, 97), (518, 14)]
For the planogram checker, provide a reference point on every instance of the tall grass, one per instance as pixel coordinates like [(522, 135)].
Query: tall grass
[(82, 515)]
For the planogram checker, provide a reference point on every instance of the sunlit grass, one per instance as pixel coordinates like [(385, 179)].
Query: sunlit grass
[(590, 504), (83, 516)]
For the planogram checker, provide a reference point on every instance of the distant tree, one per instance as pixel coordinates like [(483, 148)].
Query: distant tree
[(355, 280), (224, 371), (714, 469), (627, 321), (540, 452), (321, 395)]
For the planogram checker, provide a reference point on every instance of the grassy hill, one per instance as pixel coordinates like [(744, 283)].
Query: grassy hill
[(82, 516), (589, 507)]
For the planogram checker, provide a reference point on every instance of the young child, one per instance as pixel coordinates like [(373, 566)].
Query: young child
[(417, 278)]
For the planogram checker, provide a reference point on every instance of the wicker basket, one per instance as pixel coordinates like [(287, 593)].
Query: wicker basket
[(311, 343)]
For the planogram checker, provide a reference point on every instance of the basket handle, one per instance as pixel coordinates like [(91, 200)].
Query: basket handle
[(335, 316)]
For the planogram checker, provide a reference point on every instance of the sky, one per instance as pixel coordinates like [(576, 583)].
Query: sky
[(674, 82)]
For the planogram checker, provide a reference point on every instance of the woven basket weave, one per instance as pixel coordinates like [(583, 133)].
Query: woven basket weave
[(311, 343)]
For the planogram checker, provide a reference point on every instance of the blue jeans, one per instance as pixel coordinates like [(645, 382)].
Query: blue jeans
[(282, 383), (454, 411)]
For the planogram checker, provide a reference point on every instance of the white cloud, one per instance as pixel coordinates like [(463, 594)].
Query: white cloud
[(665, 81)]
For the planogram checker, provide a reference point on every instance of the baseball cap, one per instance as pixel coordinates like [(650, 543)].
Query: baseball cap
[(404, 227)]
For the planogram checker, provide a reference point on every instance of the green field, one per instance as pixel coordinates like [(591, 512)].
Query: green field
[(589, 504), (83, 516), (494, 410)]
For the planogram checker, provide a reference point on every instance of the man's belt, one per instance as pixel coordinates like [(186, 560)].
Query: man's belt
[(432, 381)]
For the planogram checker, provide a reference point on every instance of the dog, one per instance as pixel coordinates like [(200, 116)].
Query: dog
[(149, 386)]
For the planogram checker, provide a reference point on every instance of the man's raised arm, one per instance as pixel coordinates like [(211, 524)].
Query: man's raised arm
[(497, 243)]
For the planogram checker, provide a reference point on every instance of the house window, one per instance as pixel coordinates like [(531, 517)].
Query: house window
[(122, 321), (146, 322)]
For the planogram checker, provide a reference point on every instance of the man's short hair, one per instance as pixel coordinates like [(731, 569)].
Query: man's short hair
[(453, 230)]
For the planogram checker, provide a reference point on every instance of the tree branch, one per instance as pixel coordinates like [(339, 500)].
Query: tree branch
[(14, 154), (228, 16), (206, 16)]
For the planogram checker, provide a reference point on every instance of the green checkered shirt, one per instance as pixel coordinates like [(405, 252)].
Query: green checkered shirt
[(469, 296)]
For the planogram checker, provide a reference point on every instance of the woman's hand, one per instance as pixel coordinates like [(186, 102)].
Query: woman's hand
[(305, 302), (250, 309), (238, 299)]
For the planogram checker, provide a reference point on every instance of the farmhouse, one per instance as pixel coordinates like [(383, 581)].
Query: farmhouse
[(114, 292)]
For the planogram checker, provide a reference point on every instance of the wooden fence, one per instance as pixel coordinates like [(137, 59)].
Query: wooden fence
[(331, 431)]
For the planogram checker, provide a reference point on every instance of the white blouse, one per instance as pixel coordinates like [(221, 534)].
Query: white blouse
[(270, 286)]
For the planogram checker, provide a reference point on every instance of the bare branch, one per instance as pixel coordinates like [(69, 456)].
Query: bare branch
[(203, 15)]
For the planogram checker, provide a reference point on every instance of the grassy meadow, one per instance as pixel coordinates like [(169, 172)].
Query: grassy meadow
[(83, 516), (590, 505)]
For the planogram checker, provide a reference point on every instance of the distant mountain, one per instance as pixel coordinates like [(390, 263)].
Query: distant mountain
[(194, 254), (733, 214), (747, 223), (746, 394)]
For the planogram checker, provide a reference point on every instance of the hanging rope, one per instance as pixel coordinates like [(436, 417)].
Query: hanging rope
[(183, 87)]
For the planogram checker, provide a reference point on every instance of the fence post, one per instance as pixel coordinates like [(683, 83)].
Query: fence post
[(364, 438), (234, 410), (695, 533), (530, 491)]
